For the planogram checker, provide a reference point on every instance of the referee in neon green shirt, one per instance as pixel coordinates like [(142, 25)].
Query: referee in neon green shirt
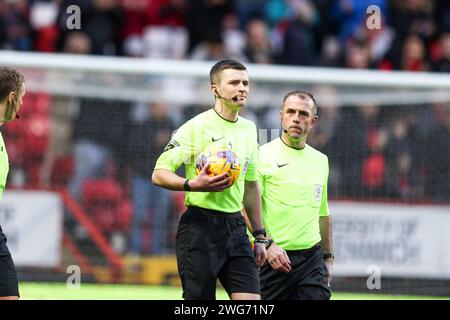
[(293, 179), (211, 240), (12, 90)]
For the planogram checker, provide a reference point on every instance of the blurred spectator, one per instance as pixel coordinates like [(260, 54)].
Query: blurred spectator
[(43, 15), (374, 166), (167, 12), (98, 131), (300, 45), (146, 140), (102, 20), (413, 56), (174, 12), (60, 151), (413, 17), (403, 180), (164, 42), (204, 18), (438, 150), (258, 48), (329, 117), (233, 37), (331, 53), (401, 177), (443, 64), (135, 17), (15, 30), (276, 11), (349, 16), (249, 10), (77, 42), (326, 128), (135, 20), (213, 48), (380, 39), (358, 54), (442, 15), (360, 142), (155, 28)]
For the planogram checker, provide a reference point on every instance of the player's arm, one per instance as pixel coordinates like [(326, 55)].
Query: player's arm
[(252, 205), (325, 222), (202, 183), (247, 221), (326, 234), (326, 227), (179, 150), (326, 244), (276, 256), (252, 194)]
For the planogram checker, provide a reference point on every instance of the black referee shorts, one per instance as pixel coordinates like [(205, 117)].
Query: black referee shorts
[(214, 245), (307, 279), (8, 278)]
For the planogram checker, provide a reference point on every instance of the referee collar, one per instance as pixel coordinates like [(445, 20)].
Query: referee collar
[(292, 147), (224, 118)]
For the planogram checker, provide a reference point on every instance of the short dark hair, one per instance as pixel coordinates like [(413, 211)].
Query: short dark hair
[(303, 95), (223, 65), (11, 80)]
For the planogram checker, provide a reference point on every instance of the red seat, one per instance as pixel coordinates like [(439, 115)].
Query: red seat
[(101, 190), (33, 171), (103, 199), (36, 136), (35, 104), (124, 216), (62, 171), (42, 104)]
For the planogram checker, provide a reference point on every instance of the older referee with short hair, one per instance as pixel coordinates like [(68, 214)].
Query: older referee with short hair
[(293, 179)]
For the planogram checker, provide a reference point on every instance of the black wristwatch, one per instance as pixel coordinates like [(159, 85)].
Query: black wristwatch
[(186, 186), (258, 232), (267, 242), (328, 256)]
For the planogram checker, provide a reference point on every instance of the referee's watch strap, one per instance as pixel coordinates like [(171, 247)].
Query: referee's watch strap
[(186, 186), (258, 232), (328, 256)]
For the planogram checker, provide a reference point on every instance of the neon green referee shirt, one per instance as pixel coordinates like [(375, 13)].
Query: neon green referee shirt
[(206, 130), (4, 165), (294, 193)]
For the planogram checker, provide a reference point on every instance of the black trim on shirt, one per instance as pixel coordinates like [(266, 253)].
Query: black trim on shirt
[(290, 146), (223, 117)]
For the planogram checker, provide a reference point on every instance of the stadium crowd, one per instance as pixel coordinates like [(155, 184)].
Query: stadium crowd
[(375, 152), (414, 35)]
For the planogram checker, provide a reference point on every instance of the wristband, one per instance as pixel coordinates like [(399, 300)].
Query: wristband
[(267, 242), (186, 186), (328, 256), (258, 232)]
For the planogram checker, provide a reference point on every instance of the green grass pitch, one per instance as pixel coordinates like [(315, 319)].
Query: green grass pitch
[(59, 291)]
